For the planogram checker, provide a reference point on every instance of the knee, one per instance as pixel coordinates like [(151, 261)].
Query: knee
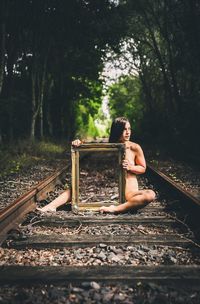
[(150, 195), (67, 195), (128, 196)]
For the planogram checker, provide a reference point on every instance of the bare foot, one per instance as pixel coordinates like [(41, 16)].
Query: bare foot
[(109, 209), (46, 209)]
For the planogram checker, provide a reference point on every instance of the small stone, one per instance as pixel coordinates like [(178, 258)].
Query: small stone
[(95, 285), (78, 256), (111, 255), (115, 258), (101, 245), (72, 297), (140, 252), (153, 252), (77, 289), (117, 250), (131, 248), (119, 297), (107, 297), (173, 260), (97, 297), (102, 256), (114, 196)]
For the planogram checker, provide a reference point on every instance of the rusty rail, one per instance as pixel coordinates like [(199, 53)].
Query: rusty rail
[(178, 189), (180, 274), (12, 215)]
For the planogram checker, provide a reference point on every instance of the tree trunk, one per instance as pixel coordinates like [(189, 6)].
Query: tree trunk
[(2, 61), (49, 122), (33, 105), (2, 54), (147, 90), (3, 12), (168, 92), (38, 87), (41, 97), (41, 118), (165, 33)]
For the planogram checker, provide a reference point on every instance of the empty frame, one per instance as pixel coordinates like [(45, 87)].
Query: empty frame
[(95, 156)]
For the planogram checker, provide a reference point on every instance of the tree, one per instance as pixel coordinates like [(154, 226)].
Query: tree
[(50, 49), (161, 42), (125, 99)]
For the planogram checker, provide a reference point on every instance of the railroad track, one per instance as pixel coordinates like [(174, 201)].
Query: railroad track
[(159, 243)]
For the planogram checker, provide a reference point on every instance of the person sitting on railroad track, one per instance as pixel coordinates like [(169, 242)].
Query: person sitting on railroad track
[(134, 164)]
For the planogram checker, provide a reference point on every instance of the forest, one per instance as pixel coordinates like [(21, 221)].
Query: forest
[(52, 58)]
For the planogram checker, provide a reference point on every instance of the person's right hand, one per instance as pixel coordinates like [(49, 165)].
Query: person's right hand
[(76, 142)]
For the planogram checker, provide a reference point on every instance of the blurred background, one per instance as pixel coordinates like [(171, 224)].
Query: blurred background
[(67, 68)]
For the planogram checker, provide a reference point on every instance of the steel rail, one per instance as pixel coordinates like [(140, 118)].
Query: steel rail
[(173, 185), (13, 214), (169, 273)]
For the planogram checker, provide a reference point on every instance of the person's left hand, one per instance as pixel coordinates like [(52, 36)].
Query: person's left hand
[(126, 164), (77, 142)]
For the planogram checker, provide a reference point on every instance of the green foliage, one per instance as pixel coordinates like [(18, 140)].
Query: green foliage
[(87, 108), (103, 123), (53, 51), (49, 149), (86, 128), (24, 154), (92, 129), (164, 45), (125, 100), (53, 58)]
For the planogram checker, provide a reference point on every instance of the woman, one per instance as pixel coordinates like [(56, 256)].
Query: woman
[(134, 163)]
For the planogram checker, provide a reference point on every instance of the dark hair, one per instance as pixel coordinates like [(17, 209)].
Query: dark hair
[(117, 129)]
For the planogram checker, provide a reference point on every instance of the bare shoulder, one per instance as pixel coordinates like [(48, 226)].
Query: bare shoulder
[(135, 147)]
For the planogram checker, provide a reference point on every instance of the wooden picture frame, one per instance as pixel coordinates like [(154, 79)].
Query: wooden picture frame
[(96, 147)]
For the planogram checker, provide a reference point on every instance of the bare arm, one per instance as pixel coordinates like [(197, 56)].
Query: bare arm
[(140, 163)]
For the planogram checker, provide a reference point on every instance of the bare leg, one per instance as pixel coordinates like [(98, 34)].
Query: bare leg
[(135, 200), (62, 199)]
